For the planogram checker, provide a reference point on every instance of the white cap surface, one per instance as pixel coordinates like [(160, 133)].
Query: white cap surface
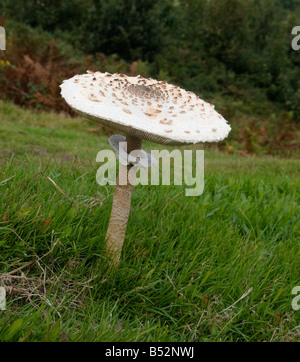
[(145, 108)]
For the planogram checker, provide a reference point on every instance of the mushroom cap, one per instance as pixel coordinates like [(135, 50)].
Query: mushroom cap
[(145, 108)]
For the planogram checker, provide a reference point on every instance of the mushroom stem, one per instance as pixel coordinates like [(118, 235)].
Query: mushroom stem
[(120, 208)]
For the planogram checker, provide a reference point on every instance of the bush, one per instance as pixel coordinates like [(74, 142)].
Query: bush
[(35, 64), (34, 68)]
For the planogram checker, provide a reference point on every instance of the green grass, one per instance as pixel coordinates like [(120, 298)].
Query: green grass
[(218, 267)]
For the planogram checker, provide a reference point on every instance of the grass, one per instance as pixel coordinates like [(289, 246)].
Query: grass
[(218, 267)]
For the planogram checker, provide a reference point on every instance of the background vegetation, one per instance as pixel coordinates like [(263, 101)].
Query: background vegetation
[(234, 53)]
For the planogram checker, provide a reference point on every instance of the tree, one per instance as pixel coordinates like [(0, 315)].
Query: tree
[(134, 29)]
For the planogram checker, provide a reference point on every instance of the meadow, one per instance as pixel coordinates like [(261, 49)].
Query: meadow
[(217, 267)]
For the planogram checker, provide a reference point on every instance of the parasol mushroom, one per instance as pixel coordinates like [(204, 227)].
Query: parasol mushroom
[(142, 109)]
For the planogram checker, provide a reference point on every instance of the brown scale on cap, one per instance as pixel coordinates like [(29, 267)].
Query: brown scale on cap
[(143, 91), (93, 98), (151, 112), (166, 121)]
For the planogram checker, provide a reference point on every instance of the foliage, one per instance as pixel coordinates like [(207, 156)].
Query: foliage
[(232, 41), (34, 65), (235, 48), (48, 14), (134, 29)]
